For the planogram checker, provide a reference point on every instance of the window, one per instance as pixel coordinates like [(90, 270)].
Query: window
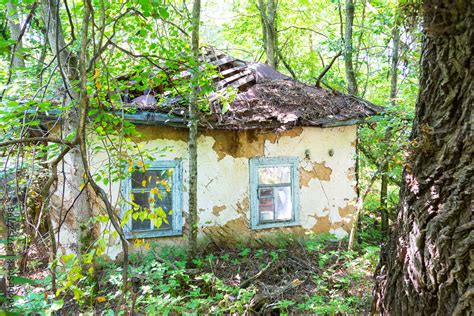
[(154, 199), (274, 192)]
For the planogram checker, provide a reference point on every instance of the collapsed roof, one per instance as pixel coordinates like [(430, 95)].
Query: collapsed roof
[(266, 99)]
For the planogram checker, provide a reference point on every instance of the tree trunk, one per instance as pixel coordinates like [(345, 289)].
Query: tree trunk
[(388, 133), (192, 145), (348, 49), (268, 13), (351, 89), (263, 17), (383, 201), (76, 233), (427, 266), (271, 34), (394, 65), (66, 60), (15, 31)]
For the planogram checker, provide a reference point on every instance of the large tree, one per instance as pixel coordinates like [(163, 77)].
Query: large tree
[(427, 266)]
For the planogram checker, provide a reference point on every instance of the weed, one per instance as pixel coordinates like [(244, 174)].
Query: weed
[(335, 281)]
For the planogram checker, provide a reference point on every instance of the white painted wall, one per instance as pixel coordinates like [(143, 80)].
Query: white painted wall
[(225, 182)]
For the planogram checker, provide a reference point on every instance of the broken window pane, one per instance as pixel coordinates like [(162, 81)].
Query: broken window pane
[(274, 175)]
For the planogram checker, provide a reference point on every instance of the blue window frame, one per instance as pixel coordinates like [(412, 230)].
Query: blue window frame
[(274, 192), (154, 200)]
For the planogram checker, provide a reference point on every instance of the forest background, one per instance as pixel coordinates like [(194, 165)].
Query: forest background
[(70, 55)]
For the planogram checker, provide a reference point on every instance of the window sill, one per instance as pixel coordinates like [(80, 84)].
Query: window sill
[(153, 234), (275, 225)]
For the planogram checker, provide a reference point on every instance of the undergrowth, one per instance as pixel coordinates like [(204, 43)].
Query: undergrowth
[(311, 276)]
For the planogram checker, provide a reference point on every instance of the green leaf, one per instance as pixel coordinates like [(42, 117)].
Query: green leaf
[(146, 6), (163, 11), (57, 305), (67, 258), (18, 280), (5, 45), (78, 293)]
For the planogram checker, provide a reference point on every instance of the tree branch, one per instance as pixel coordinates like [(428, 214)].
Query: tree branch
[(303, 29), (38, 139), (81, 136), (322, 74), (287, 66)]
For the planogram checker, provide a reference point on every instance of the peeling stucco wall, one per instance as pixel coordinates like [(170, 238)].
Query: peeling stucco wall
[(326, 168)]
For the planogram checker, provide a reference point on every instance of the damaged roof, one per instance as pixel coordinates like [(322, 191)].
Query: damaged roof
[(266, 99)]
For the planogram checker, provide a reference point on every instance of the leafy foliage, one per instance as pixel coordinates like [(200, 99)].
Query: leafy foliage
[(161, 284)]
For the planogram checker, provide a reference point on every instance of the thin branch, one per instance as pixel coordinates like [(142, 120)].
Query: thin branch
[(37, 139), (323, 73), (249, 281), (71, 24), (287, 66), (303, 29), (62, 219)]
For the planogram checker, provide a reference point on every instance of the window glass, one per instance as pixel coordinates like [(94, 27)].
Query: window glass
[(274, 197), (274, 175), (265, 192), (141, 199), (283, 204), (152, 191), (166, 204), (150, 178), (265, 207), (274, 192), (276, 205)]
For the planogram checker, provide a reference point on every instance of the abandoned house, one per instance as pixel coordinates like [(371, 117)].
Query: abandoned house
[(281, 160)]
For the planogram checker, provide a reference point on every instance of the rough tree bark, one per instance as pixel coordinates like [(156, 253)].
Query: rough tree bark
[(268, 12), (348, 49), (193, 122), (427, 266), (76, 236)]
